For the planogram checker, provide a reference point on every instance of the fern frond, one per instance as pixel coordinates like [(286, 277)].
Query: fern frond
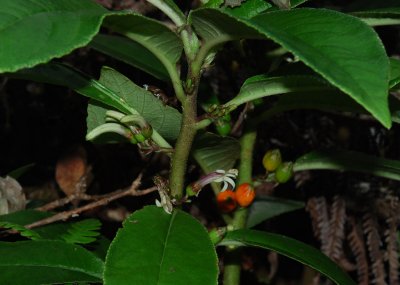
[(82, 232), (317, 208), (370, 227), (357, 245), (334, 247), (392, 254), (21, 229)]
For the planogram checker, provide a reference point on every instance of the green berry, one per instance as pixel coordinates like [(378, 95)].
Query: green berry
[(139, 137), (272, 159), (284, 172), (223, 128)]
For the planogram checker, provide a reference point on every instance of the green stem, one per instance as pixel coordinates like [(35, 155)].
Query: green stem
[(232, 267), (183, 145)]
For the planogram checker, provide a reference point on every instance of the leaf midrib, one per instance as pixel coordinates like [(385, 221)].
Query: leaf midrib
[(166, 243)]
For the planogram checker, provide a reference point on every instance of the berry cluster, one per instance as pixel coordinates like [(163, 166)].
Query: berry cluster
[(243, 196), (272, 162)]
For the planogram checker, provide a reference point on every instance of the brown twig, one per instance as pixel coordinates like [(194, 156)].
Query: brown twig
[(63, 201), (131, 191)]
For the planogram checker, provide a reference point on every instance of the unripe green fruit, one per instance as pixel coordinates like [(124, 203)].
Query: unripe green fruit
[(133, 140), (284, 172), (139, 137), (223, 128), (272, 159)]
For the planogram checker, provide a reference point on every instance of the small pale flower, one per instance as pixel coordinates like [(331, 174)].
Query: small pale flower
[(222, 176), (165, 202), (227, 178)]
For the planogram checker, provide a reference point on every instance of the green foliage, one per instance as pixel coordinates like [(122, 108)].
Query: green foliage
[(215, 152), (349, 161), (65, 25), (380, 17), (47, 262), (291, 248), (165, 119), (21, 229), (343, 67), (267, 207), (154, 247), (131, 53), (82, 232), (365, 79)]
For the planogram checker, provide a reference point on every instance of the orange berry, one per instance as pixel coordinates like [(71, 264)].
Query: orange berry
[(245, 194), (226, 201)]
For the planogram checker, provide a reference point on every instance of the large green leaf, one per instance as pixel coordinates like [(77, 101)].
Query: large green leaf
[(261, 86), (328, 101), (349, 161), (35, 31), (156, 37), (165, 119), (291, 248), (131, 53), (214, 152), (154, 247), (63, 75), (47, 262), (380, 17), (267, 207), (343, 49)]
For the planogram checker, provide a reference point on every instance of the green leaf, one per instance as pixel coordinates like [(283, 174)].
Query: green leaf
[(65, 25), (154, 247), (47, 262), (131, 53), (17, 173), (267, 207), (165, 119), (343, 49), (249, 9), (96, 115), (214, 152), (151, 34), (380, 17), (73, 231), (83, 232), (328, 101), (349, 161), (63, 75), (261, 86), (21, 229), (35, 31), (24, 217), (291, 248), (394, 72)]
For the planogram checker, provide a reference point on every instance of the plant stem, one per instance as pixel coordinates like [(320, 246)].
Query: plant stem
[(183, 145), (233, 261)]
